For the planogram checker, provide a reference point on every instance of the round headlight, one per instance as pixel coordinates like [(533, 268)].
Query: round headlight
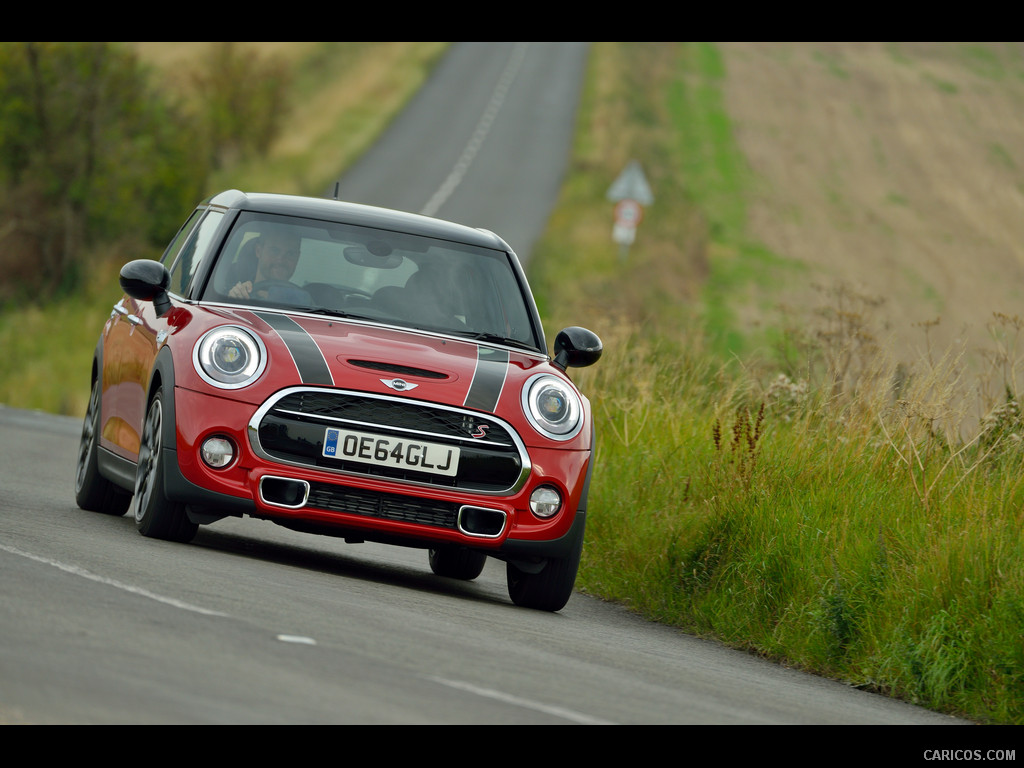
[(229, 357), (553, 407)]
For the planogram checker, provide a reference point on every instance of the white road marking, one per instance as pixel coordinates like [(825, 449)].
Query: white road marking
[(508, 76), (298, 639), (75, 570), (560, 712)]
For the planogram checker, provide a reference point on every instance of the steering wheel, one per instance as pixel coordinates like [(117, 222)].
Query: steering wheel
[(266, 285), (357, 293)]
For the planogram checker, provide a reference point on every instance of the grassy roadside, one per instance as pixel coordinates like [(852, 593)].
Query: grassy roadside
[(833, 522)]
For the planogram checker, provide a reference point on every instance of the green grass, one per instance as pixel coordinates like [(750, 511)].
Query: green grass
[(801, 529), (48, 348), (716, 180)]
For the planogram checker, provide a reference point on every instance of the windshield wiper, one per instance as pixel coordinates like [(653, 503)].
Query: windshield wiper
[(496, 338), (335, 313)]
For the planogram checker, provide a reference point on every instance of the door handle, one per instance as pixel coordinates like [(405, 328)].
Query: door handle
[(122, 310)]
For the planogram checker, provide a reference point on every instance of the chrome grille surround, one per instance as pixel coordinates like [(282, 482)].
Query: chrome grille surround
[(283, 429)]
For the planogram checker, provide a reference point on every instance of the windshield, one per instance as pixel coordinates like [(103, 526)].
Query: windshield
[(390, 277)]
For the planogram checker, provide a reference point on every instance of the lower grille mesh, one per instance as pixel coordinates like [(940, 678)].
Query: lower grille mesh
[(384, 506)]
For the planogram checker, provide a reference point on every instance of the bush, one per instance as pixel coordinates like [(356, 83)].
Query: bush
[(242, 100), (88, 153)]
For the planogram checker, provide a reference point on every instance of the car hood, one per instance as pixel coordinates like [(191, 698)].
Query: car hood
[(312, 351)]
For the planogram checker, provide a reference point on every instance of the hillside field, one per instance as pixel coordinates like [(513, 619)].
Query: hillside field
[(893, 168)]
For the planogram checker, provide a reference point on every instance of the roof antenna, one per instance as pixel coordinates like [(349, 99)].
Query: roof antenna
[(337, 185)]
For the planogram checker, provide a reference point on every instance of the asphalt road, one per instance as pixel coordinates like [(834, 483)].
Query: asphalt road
[(484, 143), (255, 624)]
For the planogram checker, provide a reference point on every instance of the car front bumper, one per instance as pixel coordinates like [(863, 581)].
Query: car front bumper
[(337, 501)]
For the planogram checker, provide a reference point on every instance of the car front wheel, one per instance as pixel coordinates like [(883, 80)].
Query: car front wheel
[(457, 563), (548, 589), (93, 491), (155, 515)]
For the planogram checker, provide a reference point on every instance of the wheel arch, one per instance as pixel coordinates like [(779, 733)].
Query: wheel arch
[(162, 377), (97, 363), (529, 555), (203, 506)]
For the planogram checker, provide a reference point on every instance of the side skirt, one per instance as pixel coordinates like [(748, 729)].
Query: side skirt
[(118, 470)]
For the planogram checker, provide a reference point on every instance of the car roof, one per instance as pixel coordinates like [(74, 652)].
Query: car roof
[(356, 213)]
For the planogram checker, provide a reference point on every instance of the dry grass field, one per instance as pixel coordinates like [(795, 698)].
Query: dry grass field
[(896, 169)]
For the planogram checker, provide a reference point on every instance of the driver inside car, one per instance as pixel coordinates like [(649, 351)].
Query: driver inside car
[(276, 252)]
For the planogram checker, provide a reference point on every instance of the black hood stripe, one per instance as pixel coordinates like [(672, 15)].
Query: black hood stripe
[(310, 361), (488, 379)]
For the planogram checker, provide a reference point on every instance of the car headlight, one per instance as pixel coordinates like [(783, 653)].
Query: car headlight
[(229, 357), (553, 407)]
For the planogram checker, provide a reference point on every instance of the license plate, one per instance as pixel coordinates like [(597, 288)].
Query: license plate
[(414, 455)]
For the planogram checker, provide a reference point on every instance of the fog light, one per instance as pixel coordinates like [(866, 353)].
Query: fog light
[(218, 452), (545, 501)]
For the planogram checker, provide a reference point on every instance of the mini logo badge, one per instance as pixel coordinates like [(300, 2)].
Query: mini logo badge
[(399, 385)]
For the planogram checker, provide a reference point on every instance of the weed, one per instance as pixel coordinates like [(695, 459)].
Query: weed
[(740, 452)]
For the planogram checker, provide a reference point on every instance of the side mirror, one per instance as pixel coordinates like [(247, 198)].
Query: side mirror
[(577, 348), (147, 280)]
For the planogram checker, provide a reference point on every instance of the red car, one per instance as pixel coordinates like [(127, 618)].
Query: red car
[(350, 371)]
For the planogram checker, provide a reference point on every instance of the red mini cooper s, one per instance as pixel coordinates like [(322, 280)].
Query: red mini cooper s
[(344, 370)]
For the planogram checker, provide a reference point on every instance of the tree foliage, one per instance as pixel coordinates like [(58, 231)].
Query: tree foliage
[(243, 101), (89, 153)]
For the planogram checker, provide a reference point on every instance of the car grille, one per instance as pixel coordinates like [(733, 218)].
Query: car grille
[(290, 429), (385, 506)]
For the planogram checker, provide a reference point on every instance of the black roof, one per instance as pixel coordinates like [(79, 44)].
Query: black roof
[(355, 213)]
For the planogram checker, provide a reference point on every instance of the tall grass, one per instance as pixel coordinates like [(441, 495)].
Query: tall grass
[(841, 533), (819, 503)]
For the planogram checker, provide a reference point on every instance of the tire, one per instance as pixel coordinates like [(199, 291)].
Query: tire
[(457, 563), (155, 515), (550, 588), (93, 491)]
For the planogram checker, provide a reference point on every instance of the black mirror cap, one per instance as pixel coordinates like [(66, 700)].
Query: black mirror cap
[(577, 348), (147, 280)]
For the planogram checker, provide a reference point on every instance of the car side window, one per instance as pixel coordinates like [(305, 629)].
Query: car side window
[(179, 239), (197, 247)]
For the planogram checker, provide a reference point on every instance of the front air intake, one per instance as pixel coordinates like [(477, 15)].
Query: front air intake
[(284, 492), (480, 521)]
